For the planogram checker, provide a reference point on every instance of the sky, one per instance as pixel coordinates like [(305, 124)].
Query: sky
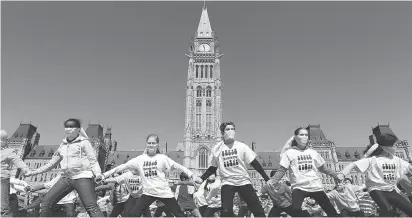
[(343, 65)]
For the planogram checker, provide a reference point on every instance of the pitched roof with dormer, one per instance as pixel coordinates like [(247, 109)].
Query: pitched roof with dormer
[(349, 153), (120, 157), (25, 130), (42, 152), (268, 159)]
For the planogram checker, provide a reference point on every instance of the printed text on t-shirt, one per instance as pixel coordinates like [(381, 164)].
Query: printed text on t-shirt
[(305, 163), (230, 158), (150, 168), (389, 172)]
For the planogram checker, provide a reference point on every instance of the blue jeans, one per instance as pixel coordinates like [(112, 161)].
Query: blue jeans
[(85, 190), (5, 192)]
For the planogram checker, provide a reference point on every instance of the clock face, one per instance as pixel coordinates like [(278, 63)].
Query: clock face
[(204, 47)]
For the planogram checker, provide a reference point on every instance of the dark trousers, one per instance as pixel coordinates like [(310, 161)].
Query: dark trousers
[(347, 213), (85, 189), (277, 211), (117, 209), (64, 210), (247, 193), (387, 200), (210, 211), (320, 197), (5, 191), (243, 211), (159, 210), (145, 201), (132, 209), (14, 205), (202, 210)]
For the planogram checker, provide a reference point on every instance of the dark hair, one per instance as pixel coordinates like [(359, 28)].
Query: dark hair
[(347, 179), (223, 126), (184, 176), (386, 139), (76, 122), (296, 132), (153, 136), (272, 173)]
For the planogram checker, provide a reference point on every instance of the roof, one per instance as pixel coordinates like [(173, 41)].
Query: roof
[(42, 152), (177, 156), (269, 160), (94, 131), (316, 133), (25, 130), (349, 153), (120, 157), (204, 29)]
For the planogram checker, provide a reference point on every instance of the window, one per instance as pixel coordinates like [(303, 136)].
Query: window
[(203, 158), (33, 153), (51, 154), (206, 71), (209, 121), (211, 69), (199, 91), (209, 91), (201, 71), (197, 71)]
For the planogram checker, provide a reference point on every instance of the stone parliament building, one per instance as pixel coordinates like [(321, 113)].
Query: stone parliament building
[(203, 116)]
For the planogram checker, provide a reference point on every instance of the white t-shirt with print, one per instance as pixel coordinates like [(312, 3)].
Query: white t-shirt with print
[(303, 169), (382, 173), (232, 163), (152, 173)]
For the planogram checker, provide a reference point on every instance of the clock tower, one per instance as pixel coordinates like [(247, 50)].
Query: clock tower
[(203, 97)]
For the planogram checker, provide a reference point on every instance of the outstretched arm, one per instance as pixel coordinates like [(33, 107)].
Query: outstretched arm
[(130, 165), (279, 175), (211, 170), (50, 165), (329, 171), (349, 168), (255, 164)]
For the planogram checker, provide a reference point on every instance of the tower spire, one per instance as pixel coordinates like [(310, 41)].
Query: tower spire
[(204, 4), (204, 30)]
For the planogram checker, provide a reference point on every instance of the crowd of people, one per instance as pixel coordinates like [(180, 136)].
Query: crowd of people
[(224, 190)]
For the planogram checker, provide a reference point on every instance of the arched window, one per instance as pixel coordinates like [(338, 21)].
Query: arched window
[(201, 71), (197, 71), (211, 69), (206, 71), (203, 158), (209, 91), (198, 91)]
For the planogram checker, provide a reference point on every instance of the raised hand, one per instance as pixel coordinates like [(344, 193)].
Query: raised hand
[(28, 188), (197, 179), (99, 178)]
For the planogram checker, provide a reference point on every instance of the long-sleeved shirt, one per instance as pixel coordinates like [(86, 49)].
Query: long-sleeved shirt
[(9, 159), (77, 159), (152, 172), (17, 185)]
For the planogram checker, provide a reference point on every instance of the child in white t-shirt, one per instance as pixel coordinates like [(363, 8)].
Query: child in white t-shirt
[(304, 164), (383, 170), (231, 157), (151, 166)]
